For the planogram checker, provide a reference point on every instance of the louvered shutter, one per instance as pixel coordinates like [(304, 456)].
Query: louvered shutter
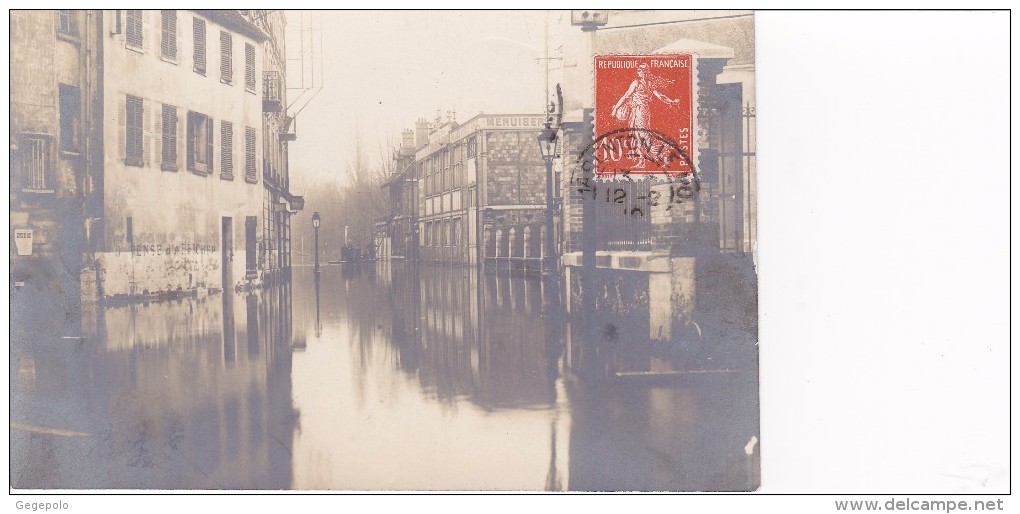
[(198, 25), (235, 150), (146, 134), (179, 35), (250, 159), (122, 129), (180, 140), (191, 140), (226, 153), (133, 28), (159, 135), (249, 66), (226, 58), (209, 143), (147, 31)]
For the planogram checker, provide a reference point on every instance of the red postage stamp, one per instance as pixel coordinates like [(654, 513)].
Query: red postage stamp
[(645, 108)]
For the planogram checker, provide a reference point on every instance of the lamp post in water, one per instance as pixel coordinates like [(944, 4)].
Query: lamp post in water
[(316, 220), (548, 141)]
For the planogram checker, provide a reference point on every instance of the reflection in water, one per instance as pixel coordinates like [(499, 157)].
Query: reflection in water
[(410, 388), (160, 397), (384, 377), (432, 378)]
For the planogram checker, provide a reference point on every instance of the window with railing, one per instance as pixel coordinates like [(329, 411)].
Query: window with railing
[(200, 143), (36, 162), (272, 89)]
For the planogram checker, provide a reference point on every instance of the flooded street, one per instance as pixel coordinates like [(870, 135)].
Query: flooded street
[(378, 376)]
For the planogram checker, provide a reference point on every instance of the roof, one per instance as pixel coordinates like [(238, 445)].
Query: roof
[(394, 177), (233, 20)]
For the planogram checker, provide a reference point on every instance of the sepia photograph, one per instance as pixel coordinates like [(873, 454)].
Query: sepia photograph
[(283, 253), (269, 249)]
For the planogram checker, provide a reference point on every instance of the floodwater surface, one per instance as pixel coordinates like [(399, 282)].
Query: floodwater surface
[(373, 376)]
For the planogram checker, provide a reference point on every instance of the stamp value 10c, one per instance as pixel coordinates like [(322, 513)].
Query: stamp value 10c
[(645, 108)]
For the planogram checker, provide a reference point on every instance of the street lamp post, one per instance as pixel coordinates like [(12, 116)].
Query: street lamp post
[(315, 225), (549, 144)]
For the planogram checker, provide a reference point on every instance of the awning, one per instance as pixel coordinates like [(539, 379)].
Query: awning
[(296, 203)]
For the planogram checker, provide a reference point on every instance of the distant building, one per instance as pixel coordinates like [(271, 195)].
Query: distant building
[(481, 191), (149, 147), (395, 238)]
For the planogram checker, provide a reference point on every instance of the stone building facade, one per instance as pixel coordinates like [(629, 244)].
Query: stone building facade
[(481, 191), (55, 124), (278, 129), (146, 158), (182, 169), (396, 238)]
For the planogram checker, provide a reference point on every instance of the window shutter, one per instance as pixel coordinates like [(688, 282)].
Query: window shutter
[(132, 28), (159, 136), (191, 141), (226, 57), (199, 42), (146, 135), (209, 143), (146, 30), (179, 35), (250, 157), (180, 141), (226, 150), (249, 66), (234, 150), (216, 141), (168, 35), (122, 130)]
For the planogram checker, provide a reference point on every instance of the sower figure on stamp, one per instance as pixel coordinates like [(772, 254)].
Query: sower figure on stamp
[(634, 107)]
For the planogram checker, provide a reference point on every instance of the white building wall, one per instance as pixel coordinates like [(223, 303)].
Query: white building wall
[(176, 225)]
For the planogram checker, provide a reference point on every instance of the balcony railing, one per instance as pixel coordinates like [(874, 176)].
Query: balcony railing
[(272, 91)]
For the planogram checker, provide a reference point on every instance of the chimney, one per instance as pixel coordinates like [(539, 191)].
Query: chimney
[(421, 133), (407, 139)]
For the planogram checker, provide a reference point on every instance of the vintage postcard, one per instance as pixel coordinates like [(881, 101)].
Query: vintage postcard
[(383, 251)]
